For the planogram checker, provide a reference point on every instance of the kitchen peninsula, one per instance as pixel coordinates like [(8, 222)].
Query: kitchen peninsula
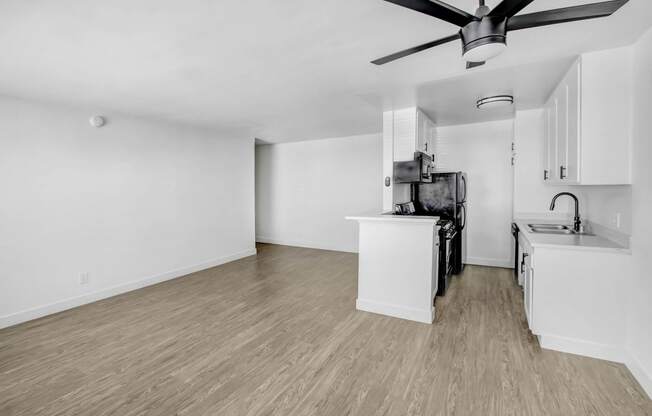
[(398, 261)]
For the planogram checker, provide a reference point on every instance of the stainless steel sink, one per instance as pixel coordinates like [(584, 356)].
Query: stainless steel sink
[(550, 226), (558, 229), (551, 231)]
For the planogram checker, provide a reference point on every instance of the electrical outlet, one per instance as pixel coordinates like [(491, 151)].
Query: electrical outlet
[(84, 278)]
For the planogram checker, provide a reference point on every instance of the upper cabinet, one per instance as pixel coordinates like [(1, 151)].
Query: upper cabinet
[(412, 131), (587, 122)]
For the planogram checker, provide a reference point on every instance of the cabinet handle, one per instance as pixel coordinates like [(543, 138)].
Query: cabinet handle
[(426, 147), (546, 174), (562, 172)]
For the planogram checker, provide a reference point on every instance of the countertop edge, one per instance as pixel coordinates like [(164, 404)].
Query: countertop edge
[(617, 249), (394, 218), (582, 248)]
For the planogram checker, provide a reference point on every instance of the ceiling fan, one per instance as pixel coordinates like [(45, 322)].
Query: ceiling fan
[(484, 34)]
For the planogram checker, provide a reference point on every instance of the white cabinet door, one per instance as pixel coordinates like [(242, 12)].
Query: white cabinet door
[(551, 149), (422, 131), (405, 133), (562, 131), (549, 138), (572, 162), (431, 138), (528, 288), (520, 270)]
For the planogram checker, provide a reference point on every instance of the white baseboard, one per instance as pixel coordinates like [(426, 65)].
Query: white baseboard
[(40, 311), (396, 311), (480, 261), (303, 243), (607, 352), (643, 378)]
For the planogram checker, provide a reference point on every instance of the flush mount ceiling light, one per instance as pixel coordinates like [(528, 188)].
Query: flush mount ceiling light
[(495, 101), (484, 33)]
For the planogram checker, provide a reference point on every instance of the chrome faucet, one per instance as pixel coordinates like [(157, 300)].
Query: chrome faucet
[(576, 221)]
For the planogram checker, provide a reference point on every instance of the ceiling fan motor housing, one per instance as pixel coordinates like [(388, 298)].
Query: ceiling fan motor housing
[(488, 30)]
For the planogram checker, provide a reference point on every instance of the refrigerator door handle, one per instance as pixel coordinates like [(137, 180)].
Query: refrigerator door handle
[(464, 216), (463, 180)]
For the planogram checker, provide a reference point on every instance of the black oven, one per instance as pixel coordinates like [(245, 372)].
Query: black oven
[(447, 234)]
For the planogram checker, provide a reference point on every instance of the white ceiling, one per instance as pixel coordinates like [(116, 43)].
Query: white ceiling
[(453, 100), (276, 70)]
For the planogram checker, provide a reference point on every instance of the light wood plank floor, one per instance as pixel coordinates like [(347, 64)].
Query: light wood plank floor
[(279, 334)]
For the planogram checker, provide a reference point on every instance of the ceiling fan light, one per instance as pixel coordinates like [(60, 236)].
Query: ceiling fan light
[(484, 51), (495, 101)]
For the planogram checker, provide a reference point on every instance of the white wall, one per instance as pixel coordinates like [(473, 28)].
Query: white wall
[(483, 151), (601, 204), (305, 189), (131, 203), (640, 307)]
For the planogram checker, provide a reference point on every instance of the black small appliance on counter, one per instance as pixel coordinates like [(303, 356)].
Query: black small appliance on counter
[(406, 208)]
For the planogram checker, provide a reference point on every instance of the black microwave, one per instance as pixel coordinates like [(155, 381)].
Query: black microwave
[(418, 170)]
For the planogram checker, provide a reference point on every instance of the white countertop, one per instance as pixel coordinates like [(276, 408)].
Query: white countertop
[(389, 217), (580, 242)]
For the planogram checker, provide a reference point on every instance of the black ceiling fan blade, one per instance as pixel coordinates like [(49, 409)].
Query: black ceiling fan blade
[(438, 9), (415, 49), (564, 15), (509, 8), (471, 65)]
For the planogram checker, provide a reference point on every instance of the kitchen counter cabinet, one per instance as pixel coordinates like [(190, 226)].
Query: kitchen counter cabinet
[(397, 266), (574, 292)]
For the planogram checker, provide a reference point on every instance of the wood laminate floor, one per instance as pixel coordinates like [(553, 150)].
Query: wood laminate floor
[(278, 334)]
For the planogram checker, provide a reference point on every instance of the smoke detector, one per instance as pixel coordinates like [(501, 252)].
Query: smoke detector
[(97, 121)]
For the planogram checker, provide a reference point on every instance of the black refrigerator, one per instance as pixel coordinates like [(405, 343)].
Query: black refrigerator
[(445, 196)]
